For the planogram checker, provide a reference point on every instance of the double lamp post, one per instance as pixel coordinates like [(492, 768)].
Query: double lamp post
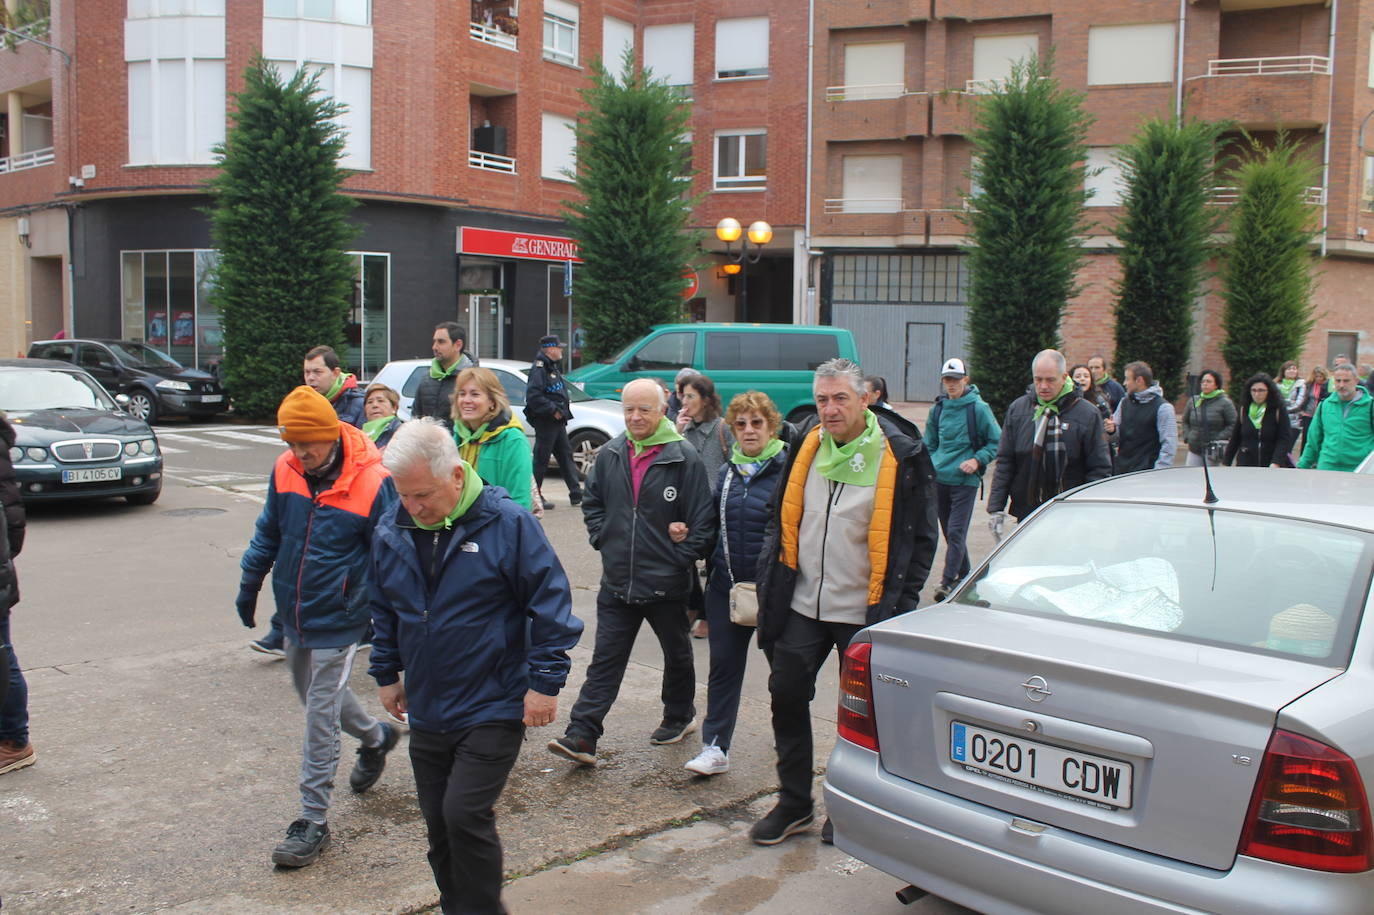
[(729, 231)]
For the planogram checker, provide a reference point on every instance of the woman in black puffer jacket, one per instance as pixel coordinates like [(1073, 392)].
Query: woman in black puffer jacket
[(1262, 435), (747, 484)]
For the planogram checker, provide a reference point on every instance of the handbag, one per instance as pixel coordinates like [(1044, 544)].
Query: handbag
[(744, 596)]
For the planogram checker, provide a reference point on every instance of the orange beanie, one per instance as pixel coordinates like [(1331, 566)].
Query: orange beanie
[(305, 416)]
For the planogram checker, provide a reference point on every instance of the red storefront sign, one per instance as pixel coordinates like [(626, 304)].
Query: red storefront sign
[(497, 243)]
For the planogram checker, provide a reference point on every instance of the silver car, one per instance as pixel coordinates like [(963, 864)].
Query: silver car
[(1140, 702)]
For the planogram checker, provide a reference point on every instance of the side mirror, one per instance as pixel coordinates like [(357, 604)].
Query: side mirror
[(123, 401)]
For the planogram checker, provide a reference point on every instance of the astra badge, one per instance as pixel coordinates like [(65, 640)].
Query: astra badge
[(670, 493)]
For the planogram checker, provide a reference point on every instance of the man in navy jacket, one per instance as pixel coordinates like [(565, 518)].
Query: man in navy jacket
[(471, 604)]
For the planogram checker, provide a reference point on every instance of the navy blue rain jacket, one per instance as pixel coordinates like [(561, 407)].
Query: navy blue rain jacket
[(497, 623), (747, 510)]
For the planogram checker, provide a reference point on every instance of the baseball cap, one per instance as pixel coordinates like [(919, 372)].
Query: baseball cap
[(550, 340), (953, 368)]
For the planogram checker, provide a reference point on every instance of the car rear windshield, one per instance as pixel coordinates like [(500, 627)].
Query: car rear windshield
[(1263, 584), (23, 392)]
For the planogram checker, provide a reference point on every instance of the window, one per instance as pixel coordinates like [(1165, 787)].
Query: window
[(1122, 54), (669, 53), (665, 353), (167, 304), (1367, 185), (559, 147), (768, 352), (1108, 186), (176, 88), (617, 37), (560, 32), (367, 328), (906, 278), (741, 159), (349, 12), (514, 387), (150, 9), (994, 56), (741, 47), (874, 69), (351, 86), (872, 184)]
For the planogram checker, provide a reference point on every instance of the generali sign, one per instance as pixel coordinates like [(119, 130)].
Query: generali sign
[(497, 243)]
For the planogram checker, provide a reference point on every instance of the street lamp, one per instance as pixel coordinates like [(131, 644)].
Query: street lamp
[(729, 231)]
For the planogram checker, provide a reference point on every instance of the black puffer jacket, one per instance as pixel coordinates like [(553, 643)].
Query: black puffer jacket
[(1086, 447), (434, 396), (546, 392), (639, 563), (13, 542), (1269, 444), (748, 506)]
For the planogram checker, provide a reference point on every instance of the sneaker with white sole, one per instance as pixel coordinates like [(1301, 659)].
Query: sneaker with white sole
[(712, 760), (672, 731)]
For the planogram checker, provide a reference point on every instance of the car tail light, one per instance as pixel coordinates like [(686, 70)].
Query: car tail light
[(1309, 808), (856, 722)]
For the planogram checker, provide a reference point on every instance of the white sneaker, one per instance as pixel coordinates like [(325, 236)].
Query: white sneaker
[(710, 761)]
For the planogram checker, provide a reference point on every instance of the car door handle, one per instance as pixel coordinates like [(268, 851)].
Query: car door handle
[(1027, 827)]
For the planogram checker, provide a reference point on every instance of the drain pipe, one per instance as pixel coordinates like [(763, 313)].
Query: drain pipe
[(1178, 78), (1330, 107), (803, 250)]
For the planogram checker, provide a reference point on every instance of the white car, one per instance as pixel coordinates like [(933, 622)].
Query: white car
[(593, 424)]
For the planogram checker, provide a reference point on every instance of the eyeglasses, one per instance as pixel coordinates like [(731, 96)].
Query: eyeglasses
[(750, 424)]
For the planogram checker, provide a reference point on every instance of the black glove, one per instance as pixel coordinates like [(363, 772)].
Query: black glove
[(247, 605)]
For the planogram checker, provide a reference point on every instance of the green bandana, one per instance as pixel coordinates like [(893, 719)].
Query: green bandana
[(465, 499), (338, 386), (856, 461), (1052, 406), (374, 428), (1286, 386), (1201, 397), (1256, 414), (769, 450), (438, 372), (665, 433)]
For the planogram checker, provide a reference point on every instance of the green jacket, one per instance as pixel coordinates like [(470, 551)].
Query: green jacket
[(502, 456), (1339, 439), (948, 442)]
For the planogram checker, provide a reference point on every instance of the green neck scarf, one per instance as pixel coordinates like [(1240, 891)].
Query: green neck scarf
[(463, 434), (856, 461), (338, 386), (374, 428), (1286, 386), (1052, 406), (472, 488), (1256, 414), (769, 450), (1201, 397), (665, 433), (438, 372)]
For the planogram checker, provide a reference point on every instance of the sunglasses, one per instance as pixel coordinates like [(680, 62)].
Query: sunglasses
[(750, 424)]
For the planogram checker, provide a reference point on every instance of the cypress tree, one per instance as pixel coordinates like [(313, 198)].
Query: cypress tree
[(281, 227), (1267, 267), (631, 223), (1165, 234), (1025, 224)]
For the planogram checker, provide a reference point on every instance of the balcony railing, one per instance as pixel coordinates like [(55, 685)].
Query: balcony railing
[(491, 162), (858, 93), (27, 160), (1269, 66), (491, 35), (865, 205), (1227, 196)]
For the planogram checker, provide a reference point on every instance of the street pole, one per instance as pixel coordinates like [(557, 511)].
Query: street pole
[(744, 290)]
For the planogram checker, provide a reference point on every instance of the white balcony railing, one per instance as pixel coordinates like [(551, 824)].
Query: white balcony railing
[(491, 162), (865, 205), (1269, 66), (859, 93), (491, 35), (1227, 196), (27, 160)]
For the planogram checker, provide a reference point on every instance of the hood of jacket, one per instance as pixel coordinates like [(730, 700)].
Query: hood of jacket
[(965, 401), (1145, 395)]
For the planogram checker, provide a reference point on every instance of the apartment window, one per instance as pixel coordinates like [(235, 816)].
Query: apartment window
[(742, 47), (872, 184), (351, 86), (741, 159), (669, 52), (349, 12), (1124, 54), (975, 178), (559, 147), (1370, 80), (1108, 185), (1367, 185), (174, 54), (617, 37), (874, 69), (560, 32), (151, 9), (995, 55)]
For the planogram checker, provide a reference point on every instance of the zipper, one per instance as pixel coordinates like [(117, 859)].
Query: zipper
[(835, 490), (305, 551), (429, 595)]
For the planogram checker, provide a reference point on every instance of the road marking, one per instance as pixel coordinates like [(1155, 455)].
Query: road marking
[(247, 436), (203, 442), (166, 450)]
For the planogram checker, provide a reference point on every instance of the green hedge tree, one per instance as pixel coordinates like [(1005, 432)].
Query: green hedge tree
[(1166, 237), (281, 227), (631, 223), (1026, 219), (1267, 273)]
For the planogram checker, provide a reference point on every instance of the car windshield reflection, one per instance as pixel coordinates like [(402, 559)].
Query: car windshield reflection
[(144, 357), (22, 392)]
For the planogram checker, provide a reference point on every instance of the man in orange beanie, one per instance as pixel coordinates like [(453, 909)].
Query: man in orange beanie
[(325, 496)]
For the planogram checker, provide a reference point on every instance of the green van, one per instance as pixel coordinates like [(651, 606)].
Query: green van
[(777, 359)]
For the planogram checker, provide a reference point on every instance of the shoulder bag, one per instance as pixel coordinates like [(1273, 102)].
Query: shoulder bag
[(744, 596)]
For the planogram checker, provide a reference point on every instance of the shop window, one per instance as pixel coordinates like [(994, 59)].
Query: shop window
[(1124, 54), (167, 297), (741, 159), (368, 326)]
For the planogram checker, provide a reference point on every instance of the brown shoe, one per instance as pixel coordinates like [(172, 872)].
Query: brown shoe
[(701, 630), (14, 755)]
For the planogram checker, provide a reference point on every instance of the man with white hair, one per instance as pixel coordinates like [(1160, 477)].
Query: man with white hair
[(649, 511), (1052, 441), (473, 609), (851, 543), (1342, 431)]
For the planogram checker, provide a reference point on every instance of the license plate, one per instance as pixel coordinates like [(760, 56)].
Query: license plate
[(1083, 776), (92, 475), (211, 398)]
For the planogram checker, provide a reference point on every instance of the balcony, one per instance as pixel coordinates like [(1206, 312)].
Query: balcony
[(1229, 196), (27, 160), (866, 205), (490, 162), (875, 112), (991, 9), (1263, 92), (492, 35), (869, 13)]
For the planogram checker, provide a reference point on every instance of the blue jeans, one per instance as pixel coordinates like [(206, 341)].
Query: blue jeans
[(729, 655), (14, 713), (956, 508)]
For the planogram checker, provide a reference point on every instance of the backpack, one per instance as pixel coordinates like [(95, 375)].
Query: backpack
[(975, 440)]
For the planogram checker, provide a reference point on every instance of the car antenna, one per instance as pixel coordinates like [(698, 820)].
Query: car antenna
[(1209, 497)]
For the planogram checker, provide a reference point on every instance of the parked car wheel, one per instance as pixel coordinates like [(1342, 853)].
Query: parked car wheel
[(143, 405), (585, 444), (143, 498)]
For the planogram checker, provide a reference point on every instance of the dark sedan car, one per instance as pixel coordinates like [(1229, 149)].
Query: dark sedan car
[(71, 440), (156, 384)]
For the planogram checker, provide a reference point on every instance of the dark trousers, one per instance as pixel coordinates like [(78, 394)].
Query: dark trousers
[(617, 624), (955, 504), (729, 656), (458, 777), (14, 710), (551, 438), (795, 658)]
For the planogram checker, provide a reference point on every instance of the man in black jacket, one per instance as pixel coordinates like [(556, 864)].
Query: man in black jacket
[(1052, 440), (649, 511), (548, 409), (15, 750), (434, 396)]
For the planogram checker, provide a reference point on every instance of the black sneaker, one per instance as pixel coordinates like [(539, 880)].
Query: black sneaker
[(548, 506), (942, 592), (372, 760), (828, 832), (672, 731), (303, 843), (267, 646), (779, 824), (579, 749)]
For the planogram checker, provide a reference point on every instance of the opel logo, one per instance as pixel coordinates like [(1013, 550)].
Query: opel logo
[(1037, 688)]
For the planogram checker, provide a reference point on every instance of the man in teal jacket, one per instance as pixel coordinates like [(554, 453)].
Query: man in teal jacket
[(1342, 431), (961, 436)]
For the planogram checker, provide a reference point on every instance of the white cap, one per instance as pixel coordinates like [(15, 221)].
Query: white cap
[(953, 368)]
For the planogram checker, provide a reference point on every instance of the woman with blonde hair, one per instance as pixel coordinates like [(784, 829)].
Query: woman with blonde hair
[(489, 437)]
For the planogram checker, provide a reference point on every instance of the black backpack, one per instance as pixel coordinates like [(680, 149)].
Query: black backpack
[(934, 418)]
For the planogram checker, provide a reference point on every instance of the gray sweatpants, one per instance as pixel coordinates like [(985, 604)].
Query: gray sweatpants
[(321, 678)]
